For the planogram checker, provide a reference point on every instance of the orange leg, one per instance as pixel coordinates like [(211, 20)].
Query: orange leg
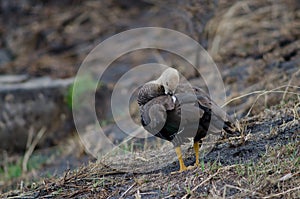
[(196, 149), (181, 163)]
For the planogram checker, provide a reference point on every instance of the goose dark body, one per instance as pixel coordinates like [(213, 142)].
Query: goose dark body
[(162, 117), (189, 113)]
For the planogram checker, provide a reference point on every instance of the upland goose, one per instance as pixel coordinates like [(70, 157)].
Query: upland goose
[(176, 112)]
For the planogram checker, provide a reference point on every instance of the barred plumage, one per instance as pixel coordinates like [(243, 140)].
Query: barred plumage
[(148, 92)]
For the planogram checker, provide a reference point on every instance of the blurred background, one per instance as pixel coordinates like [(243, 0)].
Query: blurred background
[(255, 44)]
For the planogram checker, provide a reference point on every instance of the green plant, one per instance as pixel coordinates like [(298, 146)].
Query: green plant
[(202, 164), (14, 169), (79, 88), (213, 166), (11, 170), (188, 190)]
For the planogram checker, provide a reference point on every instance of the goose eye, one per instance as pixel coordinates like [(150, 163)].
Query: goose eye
[(167, 83)]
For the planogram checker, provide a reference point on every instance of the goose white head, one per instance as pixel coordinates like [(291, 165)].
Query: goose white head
[(169, 79)]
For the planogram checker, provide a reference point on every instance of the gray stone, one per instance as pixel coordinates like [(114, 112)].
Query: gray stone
[(30, 106)]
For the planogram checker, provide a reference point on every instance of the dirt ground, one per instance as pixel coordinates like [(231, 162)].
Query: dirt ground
[(263, 162), (256, 45)]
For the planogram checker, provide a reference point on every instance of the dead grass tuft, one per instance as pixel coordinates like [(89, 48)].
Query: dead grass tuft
[(275, 174)]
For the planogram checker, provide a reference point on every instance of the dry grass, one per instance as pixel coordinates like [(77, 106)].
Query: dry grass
[(275, 175), (31, 146), (257, 39), (263, 20), (262, 93)]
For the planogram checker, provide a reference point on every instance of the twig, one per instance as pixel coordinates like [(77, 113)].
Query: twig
[(196, 187), (286, 89), (168, 196), (138, 195), (267, 92), (127, 190), (149, 193), (282, 193), (208, 179), (30, 137), (263, 92), (241, 96), (296, 115), (239, 188), (31, 148)]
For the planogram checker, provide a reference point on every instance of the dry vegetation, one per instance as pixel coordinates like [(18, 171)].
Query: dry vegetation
[(256, 44), (275, 173)]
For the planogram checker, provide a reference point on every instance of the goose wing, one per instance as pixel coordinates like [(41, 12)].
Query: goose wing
[(154, 113), (148, 92), (214, 115)]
